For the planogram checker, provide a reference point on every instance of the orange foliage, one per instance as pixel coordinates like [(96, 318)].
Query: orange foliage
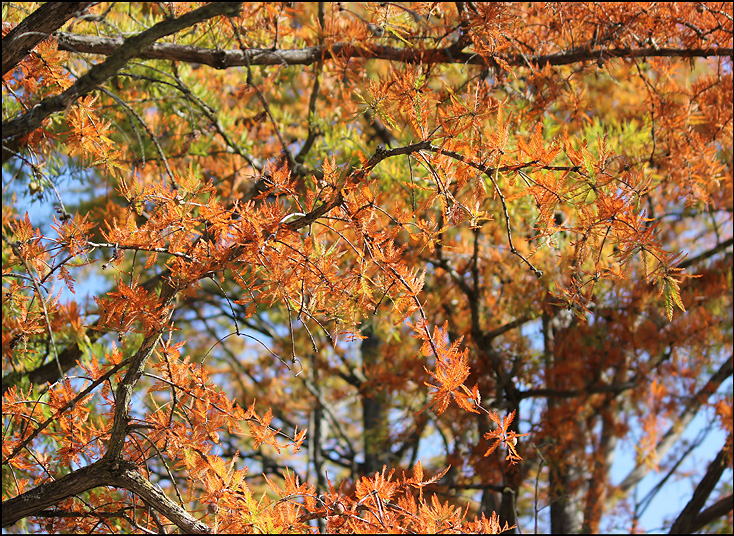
[(263, 200)]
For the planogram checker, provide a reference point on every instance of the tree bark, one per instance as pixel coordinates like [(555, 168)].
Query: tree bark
[(719, 509), (14, 129), (38, 26), (564, 511), (223, 59), (687, 518), (105, 472), (373, 418)]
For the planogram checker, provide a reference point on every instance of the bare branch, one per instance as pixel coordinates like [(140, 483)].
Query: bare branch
[(687, 518), (223, 59), (719, 509), (105, 472), (685, 417)]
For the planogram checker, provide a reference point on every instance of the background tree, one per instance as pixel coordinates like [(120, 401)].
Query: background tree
[(365, 267)]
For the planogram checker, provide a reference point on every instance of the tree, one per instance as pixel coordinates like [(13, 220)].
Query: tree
[(374, 267)]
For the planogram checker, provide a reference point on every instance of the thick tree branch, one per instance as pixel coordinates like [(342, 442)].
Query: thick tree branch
[(51, 493), (35, 28), (706, 254), (222, 59), (49, 372), (126, 50), (125, 389), (675, 431), (688, 517), (130, 479), (104, 472), (719, 509), (613, 388), (501, 330)]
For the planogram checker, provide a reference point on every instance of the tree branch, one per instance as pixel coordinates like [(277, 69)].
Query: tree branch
[(105, 472), (675, 431), (720, 508), (51, 493), (38, 26), (613, 388), (706, 254), (223, 59), (130, 479), (29, 437), (688, 517), (379, 155), (118, 433), (126, 50)]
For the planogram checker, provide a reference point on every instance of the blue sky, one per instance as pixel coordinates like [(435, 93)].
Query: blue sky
[(666, 504)]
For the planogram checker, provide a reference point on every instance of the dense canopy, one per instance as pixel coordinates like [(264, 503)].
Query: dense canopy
[(367, 267)]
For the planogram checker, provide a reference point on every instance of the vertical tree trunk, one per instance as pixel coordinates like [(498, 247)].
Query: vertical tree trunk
[(564, 509), (597, 488), (373, 419)]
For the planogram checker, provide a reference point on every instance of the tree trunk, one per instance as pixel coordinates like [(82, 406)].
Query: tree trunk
[(564, 508), (373, 419)]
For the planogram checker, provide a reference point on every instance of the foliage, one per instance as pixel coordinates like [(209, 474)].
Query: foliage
[(364, 267)]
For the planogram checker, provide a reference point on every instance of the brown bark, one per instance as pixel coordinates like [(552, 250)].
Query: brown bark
[(373, 418), (687, 518), (130, 48), (719, 509), (35, 28), (223, 59), (105, 472)]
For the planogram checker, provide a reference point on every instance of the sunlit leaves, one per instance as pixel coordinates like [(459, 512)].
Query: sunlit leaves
[(451, 371), (503, 435), (130, 305), (89, 137), (41, 73), (671, 291), (256, 213)]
